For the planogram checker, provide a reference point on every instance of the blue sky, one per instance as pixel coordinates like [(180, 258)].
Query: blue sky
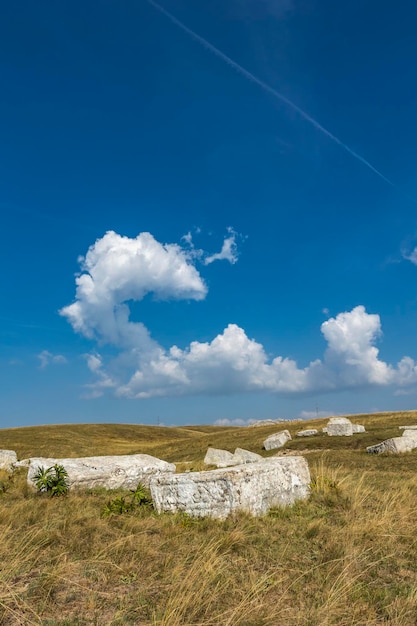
[(180, 244)]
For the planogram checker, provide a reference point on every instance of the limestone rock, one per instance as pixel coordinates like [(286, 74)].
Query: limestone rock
[(110, 472), (223, 458), (339, 426), (254, 488), (7, 459), (245, 456), (396, 445), (412, 427), (324, 430), (22, 463), (220, 458), (277, 440), (309, 432), (358, 428), (410, 432)]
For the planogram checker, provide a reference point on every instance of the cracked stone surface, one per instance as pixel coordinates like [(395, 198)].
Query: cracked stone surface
[(110, 472), (254, 488)]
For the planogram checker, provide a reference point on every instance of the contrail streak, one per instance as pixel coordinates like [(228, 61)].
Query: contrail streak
[(254, 79)]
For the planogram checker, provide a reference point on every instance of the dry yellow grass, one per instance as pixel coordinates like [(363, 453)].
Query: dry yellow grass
[(347, 556)]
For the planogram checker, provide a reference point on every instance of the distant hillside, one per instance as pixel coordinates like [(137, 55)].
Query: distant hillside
[(186, 443)]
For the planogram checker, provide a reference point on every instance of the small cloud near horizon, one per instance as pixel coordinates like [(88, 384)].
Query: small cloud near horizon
[(47, 358)]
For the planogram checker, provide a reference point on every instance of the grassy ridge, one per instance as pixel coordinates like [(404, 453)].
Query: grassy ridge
[(347, 556), (186, 443)]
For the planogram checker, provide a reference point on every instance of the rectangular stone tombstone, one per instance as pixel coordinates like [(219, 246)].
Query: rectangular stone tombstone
[(339, 427), (277, 440), (111, 472), (253, 488), (308, 432), (245, 456), (7, 459), (395, 445), (218, 457)]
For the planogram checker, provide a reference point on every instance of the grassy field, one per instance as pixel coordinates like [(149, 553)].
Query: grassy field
[(347, 556)]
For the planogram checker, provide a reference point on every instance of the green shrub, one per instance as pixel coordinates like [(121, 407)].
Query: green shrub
[(53, 480), (139, 498)]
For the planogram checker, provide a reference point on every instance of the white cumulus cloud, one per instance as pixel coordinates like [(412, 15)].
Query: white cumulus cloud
[(117, 270)]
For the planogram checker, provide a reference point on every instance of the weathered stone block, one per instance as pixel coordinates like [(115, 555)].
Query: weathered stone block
[(245, 456), (277, 440), (220, 458), (7, 459), (110, 472), (254, 488), (396, 445), (308, 432), (358, 428), (339, 427), (410, 432), (412, 427)]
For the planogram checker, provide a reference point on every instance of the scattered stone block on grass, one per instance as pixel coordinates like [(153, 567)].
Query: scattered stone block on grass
[(409, 432), (253, 488), (412, 427), (7, 459), (358, 428), (110, 472), (220, 458), (223, 458), (396, 445), (277, 440), (339, 427), (308, 432), (242, 456)]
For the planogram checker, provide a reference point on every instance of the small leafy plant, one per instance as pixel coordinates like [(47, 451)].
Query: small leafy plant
[(139, 498), (53, 480)]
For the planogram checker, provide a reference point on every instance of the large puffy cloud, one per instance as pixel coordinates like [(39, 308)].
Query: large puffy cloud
[(118, 269)]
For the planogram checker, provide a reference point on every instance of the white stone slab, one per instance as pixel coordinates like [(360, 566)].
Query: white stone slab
[(7, 459), (339, 427), (110, 472), (219, 458), (277, 440), (245, 456), (254, 488), (358, 428), (308, 432), (396, 445), (410, 432)]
